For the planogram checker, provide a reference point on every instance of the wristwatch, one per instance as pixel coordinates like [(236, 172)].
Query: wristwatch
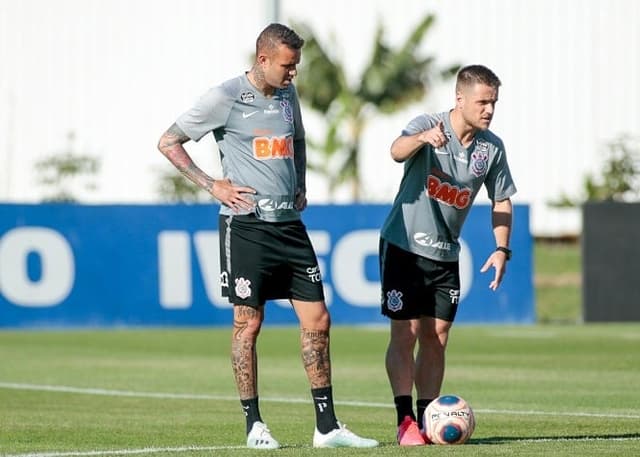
[(507, 251)]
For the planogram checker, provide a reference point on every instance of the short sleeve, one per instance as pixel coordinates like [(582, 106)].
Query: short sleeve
[(499, 182), (419, 124), (210, 112)]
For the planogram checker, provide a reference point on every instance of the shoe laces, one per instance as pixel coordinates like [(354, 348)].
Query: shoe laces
[(343, 430), (263, 429)]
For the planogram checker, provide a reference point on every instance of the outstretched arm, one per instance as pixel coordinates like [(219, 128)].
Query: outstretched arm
[(171, 145), (406, 146)]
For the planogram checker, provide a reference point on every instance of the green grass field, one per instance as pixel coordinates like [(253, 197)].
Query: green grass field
[(554, 388), (558, 282), (560, 390)]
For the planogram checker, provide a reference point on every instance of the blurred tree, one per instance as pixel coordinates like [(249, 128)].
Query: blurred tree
[(173, 187), (620, 176), (393, 79), (62, 172)]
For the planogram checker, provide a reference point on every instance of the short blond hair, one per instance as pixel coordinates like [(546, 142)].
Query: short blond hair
[(474, 74)]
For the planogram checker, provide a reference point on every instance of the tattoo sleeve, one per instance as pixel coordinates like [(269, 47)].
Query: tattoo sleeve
[(315, 357), (243, 353), (171, 145)]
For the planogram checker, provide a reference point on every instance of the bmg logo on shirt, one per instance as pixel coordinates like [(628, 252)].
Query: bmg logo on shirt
[(448, 193), (265, 148)]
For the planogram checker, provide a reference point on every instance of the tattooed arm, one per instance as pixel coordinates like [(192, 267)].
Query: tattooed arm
[(171, 145)]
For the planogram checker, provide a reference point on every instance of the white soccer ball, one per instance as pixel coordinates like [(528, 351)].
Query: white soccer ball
[(448, 420)]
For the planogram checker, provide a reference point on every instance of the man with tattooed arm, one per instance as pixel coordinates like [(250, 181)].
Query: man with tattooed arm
[(265, 251)]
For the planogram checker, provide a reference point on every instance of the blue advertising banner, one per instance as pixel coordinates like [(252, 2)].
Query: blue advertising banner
[(158, 265)]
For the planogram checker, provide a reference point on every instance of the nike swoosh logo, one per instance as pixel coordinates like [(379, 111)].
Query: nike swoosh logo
[(246, 115), (321, 398)]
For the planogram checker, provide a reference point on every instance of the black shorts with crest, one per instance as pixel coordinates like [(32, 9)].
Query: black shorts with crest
[(262, 261), (414, 286)]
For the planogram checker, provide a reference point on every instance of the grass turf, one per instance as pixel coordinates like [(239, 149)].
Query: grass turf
[(552, 389), (558, 282)]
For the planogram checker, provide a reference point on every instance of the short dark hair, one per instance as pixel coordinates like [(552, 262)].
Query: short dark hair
[(473, 74), (276, 34)]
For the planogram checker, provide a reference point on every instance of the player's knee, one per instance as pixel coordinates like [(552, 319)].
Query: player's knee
[(435, 337), (323, 321), (403, 339)]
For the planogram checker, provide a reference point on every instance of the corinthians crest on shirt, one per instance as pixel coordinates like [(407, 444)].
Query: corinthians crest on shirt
[(480, 159)]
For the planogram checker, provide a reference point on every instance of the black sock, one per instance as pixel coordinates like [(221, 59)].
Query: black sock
[(325, 415), (251, 412), (421, 405), (404, 407)]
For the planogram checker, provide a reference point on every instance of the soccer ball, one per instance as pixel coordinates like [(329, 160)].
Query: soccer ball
[(448, 420)]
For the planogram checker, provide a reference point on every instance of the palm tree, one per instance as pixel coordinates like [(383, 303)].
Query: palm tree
[(393, 79)]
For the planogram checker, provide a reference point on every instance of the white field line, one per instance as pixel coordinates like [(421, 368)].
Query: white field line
[(153, 450), (145, 450), (178, 396), (148, 450), (563, 439)]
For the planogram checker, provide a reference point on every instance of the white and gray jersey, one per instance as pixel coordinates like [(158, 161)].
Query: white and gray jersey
[(439, 186), (255, 136)]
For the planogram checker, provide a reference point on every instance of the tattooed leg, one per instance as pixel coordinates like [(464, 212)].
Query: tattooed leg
[(314, 340), (315, 356), (246, 327)]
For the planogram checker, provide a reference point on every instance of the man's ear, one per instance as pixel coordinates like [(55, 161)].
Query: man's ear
[(262, 59)]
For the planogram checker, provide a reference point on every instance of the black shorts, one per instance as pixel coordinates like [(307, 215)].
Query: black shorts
[(414, 286), (262, 261)]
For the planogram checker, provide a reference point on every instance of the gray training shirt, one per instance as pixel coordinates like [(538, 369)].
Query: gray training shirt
[(439, 186), (255, 136)]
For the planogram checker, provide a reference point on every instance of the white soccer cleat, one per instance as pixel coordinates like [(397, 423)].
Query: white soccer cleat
[(260, 437), (341, 437)]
